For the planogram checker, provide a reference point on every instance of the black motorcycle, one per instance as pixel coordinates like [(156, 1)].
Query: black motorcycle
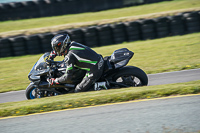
[(115, 75)]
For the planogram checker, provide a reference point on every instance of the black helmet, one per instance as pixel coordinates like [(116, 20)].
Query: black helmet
[(59, 43)]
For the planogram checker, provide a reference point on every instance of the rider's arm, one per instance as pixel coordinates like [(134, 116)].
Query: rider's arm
[(69, 60)]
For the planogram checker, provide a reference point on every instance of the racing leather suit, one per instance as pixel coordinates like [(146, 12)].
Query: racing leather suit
[(82, 57)]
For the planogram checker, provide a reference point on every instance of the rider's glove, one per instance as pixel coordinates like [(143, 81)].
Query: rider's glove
[(53, 55), (53, 81)]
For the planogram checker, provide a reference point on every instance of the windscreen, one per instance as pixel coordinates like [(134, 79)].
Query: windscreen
[(41, 64)]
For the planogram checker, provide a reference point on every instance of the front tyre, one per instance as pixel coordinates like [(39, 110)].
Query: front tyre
[(31, 92), (131, 76)]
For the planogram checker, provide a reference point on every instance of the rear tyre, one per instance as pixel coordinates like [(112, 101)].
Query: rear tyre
[(131, 76)]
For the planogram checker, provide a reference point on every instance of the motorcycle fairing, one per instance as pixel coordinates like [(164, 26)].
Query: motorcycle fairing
[(121, 57), (40, 68)]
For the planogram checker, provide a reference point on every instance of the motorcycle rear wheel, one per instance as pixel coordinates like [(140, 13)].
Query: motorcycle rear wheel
[(131, 76)]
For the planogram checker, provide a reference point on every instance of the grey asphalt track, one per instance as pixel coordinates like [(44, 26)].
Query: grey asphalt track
[(166, 115), (154, 79)]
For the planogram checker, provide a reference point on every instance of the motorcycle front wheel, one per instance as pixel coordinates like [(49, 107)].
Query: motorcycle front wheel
[(30, 92)]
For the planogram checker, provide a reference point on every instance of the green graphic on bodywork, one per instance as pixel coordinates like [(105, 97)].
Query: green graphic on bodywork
[(88, 61), (76, 48), (87, 69)]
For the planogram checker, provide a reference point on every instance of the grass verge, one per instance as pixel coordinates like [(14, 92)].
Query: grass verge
[(55, 23), (85, 99), (153, 56)]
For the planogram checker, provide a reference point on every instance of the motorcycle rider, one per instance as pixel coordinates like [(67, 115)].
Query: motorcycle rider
[(79, 56)]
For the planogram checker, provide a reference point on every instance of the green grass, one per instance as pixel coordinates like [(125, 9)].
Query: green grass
[(153, 56), (76, 100), (97, 16)]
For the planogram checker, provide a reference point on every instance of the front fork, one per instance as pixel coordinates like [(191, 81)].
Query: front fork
[(38, 93)]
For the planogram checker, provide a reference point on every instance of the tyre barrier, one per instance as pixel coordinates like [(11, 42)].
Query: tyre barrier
[(31, 10), (192, 22), (90, 36), (5, 48), (18, 8), (107, 34), (18, 45), (119, 33), (45, 40), (6, 11), (177, 25), (45, 8), (33, 44), (133, 31), (77, 35), (162, 27), (148, 29)]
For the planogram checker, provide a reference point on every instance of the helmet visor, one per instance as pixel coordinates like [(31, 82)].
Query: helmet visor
[(57, 49), (65, 43)]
